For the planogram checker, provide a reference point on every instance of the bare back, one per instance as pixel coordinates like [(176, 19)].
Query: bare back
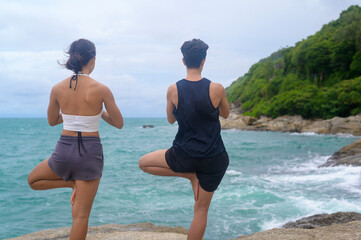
[(86, 100)]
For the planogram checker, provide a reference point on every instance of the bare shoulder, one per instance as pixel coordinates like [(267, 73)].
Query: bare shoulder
[(57, 88), (172, 90), (217, 88), (102, 87)]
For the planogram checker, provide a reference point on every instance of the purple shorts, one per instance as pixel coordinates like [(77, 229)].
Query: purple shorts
[(77, 159)]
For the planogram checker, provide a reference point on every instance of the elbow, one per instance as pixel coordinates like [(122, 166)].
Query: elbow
[(171, 121), (224, 115), (120, 125), (51, 123)]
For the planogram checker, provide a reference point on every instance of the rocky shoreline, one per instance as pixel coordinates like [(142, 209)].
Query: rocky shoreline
[(337, 125), (341, 225)]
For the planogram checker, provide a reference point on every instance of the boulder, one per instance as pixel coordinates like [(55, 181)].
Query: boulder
[(321, 220), (318, 126), (345, 231), (249, 120), (348, 155), (346, 126), (337, 226)]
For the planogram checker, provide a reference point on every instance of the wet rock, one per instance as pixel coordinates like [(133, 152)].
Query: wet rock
[(348, 155), (345, 231), (148, 126), (321, 220)]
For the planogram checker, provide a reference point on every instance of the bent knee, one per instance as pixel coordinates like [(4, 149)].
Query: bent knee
[(31, 182), (142, 163)]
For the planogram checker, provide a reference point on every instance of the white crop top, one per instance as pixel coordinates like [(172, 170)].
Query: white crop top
[(79, 123)]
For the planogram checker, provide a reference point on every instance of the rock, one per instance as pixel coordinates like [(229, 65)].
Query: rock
[(320, 127), (348, 155), (137, 231), (321, 220), (346, 126), (336, 226), (148, 126), (233, 121), (337, 125), (249, 120), (345, 231)]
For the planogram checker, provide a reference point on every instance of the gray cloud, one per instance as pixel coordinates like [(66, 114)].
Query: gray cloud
[(138, 44)]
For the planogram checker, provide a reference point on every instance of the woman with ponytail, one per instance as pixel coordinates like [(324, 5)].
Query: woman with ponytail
[(77, 161)]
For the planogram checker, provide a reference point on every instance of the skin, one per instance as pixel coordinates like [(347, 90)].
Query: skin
[(154, 163), (86, 100)]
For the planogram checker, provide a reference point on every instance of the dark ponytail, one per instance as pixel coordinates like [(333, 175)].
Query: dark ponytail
[(80, 52)]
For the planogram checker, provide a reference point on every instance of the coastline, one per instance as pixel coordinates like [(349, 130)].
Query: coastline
[(325, 227), (350, 125)]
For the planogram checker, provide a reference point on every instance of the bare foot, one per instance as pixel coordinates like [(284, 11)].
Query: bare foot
[(195, 187), (72, 198)]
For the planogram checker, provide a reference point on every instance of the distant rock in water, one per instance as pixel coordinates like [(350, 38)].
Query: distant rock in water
[(348, 155), (148, 126), (322, 220)]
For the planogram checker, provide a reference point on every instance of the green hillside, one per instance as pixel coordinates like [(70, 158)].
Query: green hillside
[(317, 78)]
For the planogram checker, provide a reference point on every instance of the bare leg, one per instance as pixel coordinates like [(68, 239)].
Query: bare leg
[(43, 178), (199, 223), (85, 194), (154, 163)]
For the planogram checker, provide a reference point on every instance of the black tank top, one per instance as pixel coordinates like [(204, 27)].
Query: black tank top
[(199, 131)]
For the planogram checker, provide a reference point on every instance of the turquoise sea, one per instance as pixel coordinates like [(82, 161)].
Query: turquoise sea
[(272, 179)]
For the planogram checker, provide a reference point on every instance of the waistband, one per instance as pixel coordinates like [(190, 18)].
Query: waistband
[(75, 138)]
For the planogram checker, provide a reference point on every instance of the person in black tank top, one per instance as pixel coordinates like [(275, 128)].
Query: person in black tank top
[(198, 152)]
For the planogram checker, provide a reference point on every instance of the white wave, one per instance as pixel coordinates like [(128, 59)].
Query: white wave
[(306, 133), (275, 223), (233, 172), (310, 207)]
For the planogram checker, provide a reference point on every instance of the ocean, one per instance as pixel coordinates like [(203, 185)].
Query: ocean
[(272, 178)]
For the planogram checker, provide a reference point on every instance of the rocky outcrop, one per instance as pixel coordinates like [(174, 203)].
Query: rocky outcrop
[(137, 231), (346, 231), (348, 155), (324, 227), (322, 220), (337, 226), (337, 125)]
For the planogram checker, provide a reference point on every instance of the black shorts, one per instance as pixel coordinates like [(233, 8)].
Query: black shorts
[(210, 171)]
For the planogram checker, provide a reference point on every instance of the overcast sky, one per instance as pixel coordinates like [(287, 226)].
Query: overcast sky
[(138, 44)]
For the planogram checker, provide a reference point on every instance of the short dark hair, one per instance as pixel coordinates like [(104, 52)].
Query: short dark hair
[(80, 52), (194, 51)]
